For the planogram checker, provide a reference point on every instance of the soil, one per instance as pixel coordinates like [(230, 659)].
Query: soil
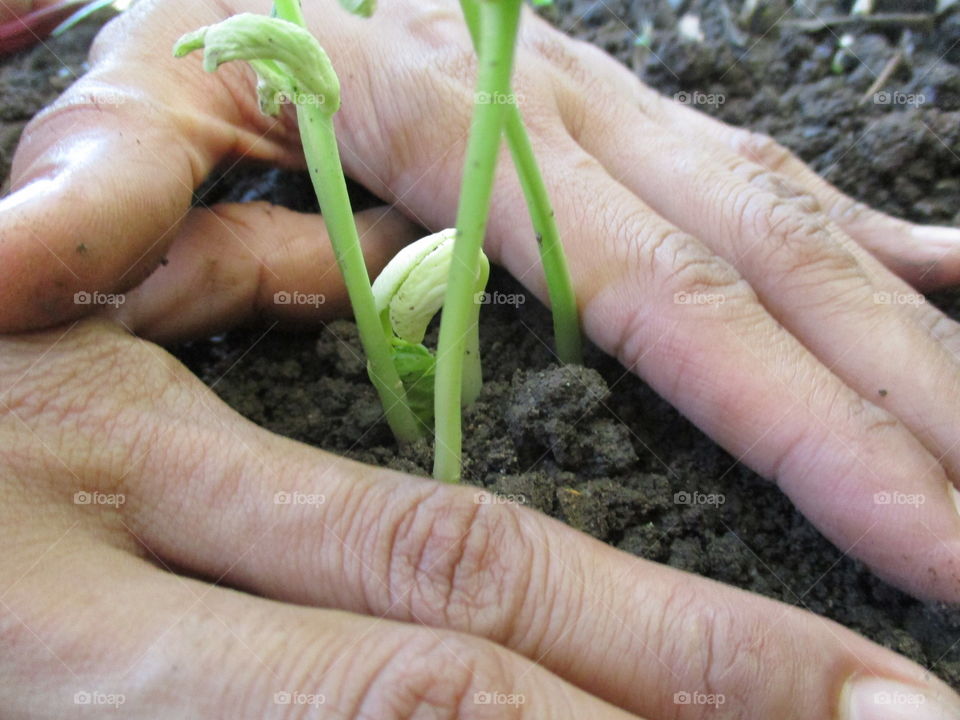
[(595, 446)]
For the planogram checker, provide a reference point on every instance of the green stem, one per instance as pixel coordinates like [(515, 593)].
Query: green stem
[(473, 367), (323, 160), (499, 22), (290, 11), (563, 300)]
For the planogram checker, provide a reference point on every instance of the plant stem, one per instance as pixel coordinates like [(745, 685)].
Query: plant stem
[(291, 11), (473, 368), (499, 20), (323, 160), (563, 300)]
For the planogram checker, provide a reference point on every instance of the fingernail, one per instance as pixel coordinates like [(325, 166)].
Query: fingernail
[(937, 235), (955, 494), (871, 698)]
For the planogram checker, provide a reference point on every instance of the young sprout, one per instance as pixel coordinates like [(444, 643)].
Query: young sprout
[(563, 301), (493, 26), (408, 293), (498, 22), (447, 269), (291, 65), (86, 11), (843, 56)]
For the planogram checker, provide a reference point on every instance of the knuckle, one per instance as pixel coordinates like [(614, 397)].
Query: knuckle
[(460, 563), (800, 247), (455, 62), (57, 402), (838, 406), (685, 265), (558, 51), (761, 149), (943, 328), (712, 647), (47, 385), (683, 272), (778, 187), (847, 211), (433, 23), (439, 676)]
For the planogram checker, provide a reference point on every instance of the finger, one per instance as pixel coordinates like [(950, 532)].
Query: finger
[(130, 639), (805, 270), (225, 499), (926, 257), (104, 177), (235, 262), (742, 378), (939, 245)]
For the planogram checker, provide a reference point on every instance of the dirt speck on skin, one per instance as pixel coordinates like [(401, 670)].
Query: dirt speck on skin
[(595, 446)]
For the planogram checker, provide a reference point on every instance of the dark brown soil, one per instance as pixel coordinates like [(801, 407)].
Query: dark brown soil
[(596, 447)]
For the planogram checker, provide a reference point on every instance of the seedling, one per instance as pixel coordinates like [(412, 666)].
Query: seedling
[(392, 316), (291, 65), (493, 26), (408, 293), (86, 11)]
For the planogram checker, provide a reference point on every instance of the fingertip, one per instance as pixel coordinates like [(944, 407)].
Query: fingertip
[(237, 262), (938, 256), (56, 264)]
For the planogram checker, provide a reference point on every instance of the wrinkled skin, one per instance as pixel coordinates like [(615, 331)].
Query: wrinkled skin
[(396, 597)]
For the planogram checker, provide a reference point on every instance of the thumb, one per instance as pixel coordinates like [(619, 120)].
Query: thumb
[(234, 262), (104, 177)]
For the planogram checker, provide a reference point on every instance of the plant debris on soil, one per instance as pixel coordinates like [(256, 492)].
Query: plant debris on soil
[(595, 446)]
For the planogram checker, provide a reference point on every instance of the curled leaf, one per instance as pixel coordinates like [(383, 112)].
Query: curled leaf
[(412, 287), (288, 60)]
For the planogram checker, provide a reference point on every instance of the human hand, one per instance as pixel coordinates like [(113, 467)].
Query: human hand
[(168, 558), (790, 363)]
